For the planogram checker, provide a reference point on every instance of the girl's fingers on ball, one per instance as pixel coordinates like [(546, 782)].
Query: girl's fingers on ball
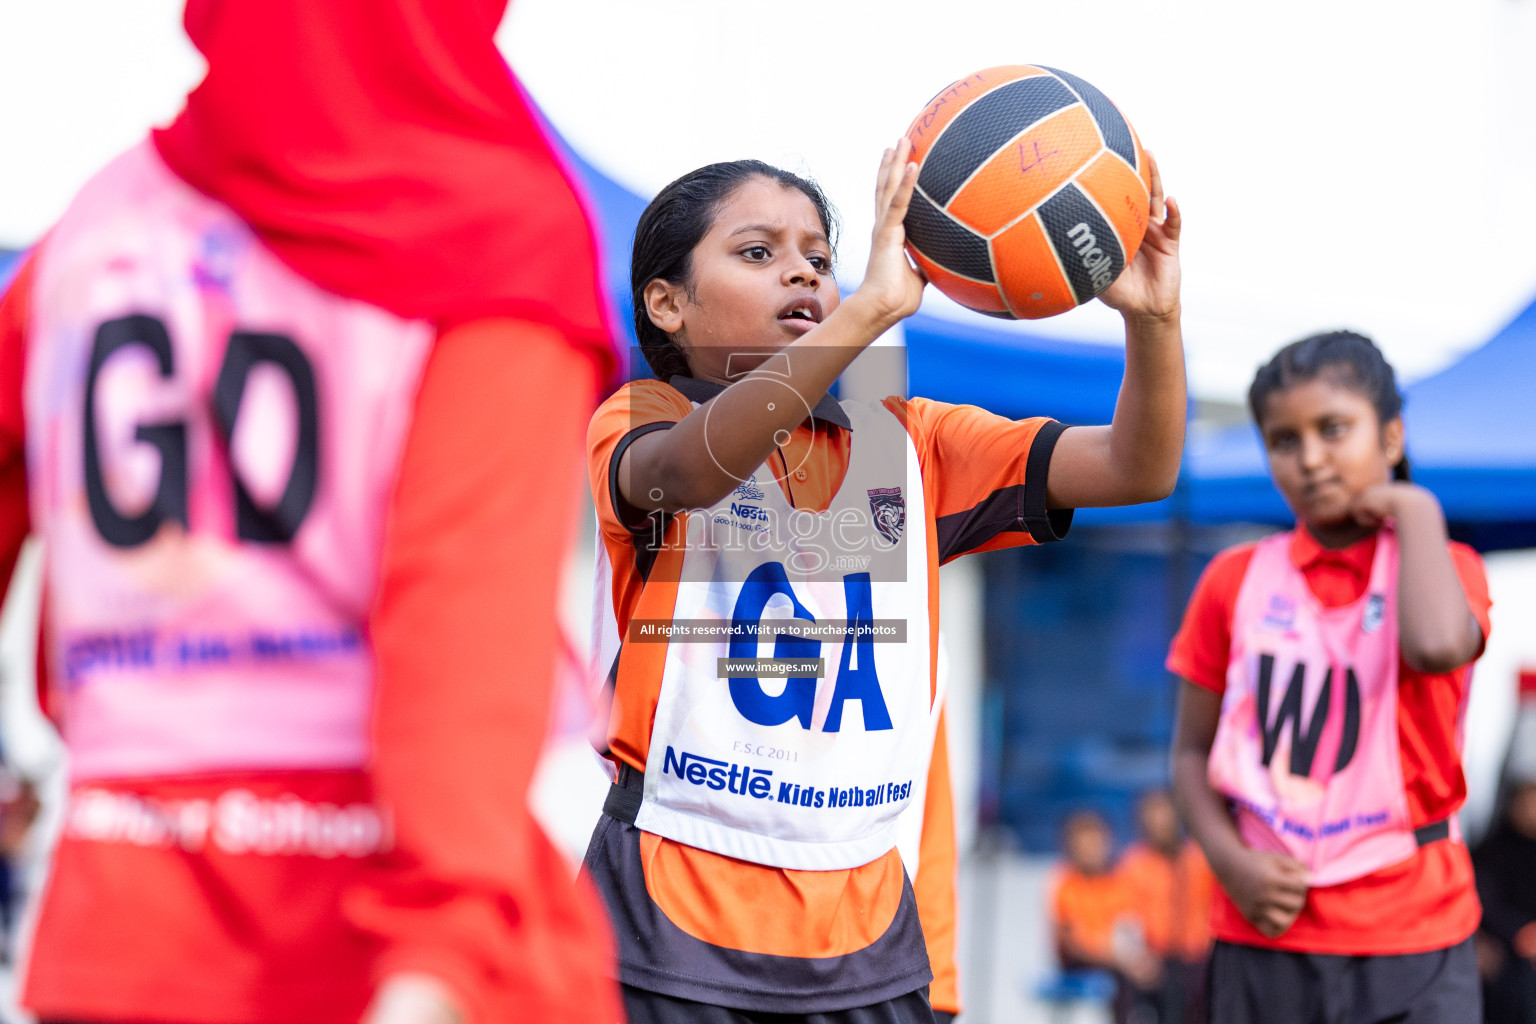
[(887, 183), (898, 159), (1158, 207), (880, 178), (901, 198), (889, 197), (1173, 220)]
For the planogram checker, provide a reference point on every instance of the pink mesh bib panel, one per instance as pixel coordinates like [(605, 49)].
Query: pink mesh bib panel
[(1307, 748), (211, 445)]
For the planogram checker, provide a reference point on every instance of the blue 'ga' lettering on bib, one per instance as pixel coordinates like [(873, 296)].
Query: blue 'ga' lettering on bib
[(860, 684), (798, 700), (799, 697)]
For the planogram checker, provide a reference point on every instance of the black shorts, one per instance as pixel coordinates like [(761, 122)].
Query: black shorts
[(646, 1007), (1250, 985)]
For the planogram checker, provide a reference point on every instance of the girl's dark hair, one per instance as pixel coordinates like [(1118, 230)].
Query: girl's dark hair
[(673, 224), (1352, 358)]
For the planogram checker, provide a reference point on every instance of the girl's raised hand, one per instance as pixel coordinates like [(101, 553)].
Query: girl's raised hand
[(1150, 285), (1375, 505), (892, 286)]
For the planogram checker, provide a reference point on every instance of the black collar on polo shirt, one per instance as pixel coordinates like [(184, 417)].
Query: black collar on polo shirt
[(827, 410)]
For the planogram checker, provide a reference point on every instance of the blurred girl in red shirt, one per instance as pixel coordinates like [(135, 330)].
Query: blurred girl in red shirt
[(1317, 753)]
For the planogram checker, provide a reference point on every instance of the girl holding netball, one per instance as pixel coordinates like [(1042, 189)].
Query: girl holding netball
[(1317, 752), (768, 578)]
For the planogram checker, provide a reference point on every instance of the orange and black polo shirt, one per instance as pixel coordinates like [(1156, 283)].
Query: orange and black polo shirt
[(697, 925)]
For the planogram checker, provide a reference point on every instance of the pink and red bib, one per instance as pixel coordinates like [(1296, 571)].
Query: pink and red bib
[(1307, 748), (211, 440)]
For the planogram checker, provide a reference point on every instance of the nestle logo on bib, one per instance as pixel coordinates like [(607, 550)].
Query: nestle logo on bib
[(748, 511), (749, 491), (714, 774)]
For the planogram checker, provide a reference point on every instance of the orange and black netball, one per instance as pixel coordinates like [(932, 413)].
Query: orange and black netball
[(1032, 192)]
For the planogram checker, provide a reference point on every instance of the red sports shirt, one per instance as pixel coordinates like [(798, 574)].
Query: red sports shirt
[(383, 151), (1426, 902), (472, 891)]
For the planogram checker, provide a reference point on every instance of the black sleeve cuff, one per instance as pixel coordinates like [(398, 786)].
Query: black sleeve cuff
[(632, 518), (1017, 508), (1044, 525)]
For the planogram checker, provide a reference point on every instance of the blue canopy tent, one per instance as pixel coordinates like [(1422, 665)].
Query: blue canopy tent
[(1010, 373), (1471, 440)]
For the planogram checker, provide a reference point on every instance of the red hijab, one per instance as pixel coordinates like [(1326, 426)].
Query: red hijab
[(383, 149)]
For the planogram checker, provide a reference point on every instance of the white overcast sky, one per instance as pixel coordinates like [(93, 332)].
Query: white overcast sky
[(1361, 163)]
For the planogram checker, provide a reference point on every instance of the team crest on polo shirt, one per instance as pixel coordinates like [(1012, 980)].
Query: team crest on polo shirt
[(1375, 610), (890, 512), (748, 490)]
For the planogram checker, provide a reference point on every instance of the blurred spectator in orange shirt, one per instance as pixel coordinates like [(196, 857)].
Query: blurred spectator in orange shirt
[(1170, 882), (1095, 917), (1170, 888), (1089, 898)]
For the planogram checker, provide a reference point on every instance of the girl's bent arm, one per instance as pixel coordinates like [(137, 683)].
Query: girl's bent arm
[(1204, 813), (1437, 631), (722, 442), (1269, 888), (1136, 457)]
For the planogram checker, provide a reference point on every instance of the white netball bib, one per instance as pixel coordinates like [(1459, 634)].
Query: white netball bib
[(211, 444), (811, 770)]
